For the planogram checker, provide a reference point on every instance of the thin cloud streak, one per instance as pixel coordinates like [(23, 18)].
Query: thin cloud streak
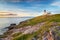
[(56, 3), (24, 0)]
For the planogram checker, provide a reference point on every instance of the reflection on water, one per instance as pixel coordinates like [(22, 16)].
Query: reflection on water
[(5, 22)]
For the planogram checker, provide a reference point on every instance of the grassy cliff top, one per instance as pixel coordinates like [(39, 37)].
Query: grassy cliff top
[(39, 19), (50, 23)]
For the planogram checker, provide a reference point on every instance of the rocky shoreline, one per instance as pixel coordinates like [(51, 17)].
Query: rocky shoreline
[(43, 30)]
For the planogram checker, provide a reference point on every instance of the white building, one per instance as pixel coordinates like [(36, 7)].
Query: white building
[(46, 13)]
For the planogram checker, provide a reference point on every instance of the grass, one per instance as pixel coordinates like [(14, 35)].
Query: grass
[(39, 19), (50, 19), (16, 34), (24, 37)]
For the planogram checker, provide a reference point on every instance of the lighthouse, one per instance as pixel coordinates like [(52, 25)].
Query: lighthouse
[(46, 13)]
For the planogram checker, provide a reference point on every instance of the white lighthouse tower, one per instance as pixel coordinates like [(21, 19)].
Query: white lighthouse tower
[(46, 13)]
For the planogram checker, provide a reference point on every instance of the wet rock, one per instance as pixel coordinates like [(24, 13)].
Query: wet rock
[(12, 26)]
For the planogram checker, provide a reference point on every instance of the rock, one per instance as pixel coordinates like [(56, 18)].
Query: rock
[(12, 26)]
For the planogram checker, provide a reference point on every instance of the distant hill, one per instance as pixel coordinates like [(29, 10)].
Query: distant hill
[(45, 27), (12, 14), (7, 14)]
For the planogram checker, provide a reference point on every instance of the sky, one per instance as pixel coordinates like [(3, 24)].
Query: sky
[(30, 7)]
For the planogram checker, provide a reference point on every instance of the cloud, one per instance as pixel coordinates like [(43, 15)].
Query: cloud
[(56, 4), (11, 0), (15, 1), (22, 0)]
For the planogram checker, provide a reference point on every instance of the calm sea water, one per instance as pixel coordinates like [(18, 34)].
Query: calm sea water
[(5, 22)]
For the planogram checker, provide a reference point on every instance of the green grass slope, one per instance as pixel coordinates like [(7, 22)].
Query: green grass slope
[(49, 22), (49, 19), (39, 19)]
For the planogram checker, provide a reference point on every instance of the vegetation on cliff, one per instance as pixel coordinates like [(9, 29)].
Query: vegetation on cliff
[(50, 22), (39, 19), (45, 23)]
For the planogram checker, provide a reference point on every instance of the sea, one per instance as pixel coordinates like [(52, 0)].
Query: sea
[(5, 22)]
